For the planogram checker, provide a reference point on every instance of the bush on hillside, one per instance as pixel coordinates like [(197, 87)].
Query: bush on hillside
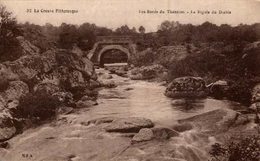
[(38, 106), (142, 58), (247, 149)]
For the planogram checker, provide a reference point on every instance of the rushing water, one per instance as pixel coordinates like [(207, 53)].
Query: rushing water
[(69, 139), (146, 99)]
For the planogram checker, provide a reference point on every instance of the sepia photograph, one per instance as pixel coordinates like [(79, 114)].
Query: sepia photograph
[(130, 80)]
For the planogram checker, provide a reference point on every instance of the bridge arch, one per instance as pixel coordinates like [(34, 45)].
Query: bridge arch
[(112, 47), (124, 44)]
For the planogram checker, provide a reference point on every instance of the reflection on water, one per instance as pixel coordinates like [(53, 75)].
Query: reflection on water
[(188, 105)]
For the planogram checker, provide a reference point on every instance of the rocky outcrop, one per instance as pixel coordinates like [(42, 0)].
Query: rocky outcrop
[(9, 98), (59, 74), (48, 88), (15, 91), (6, 76), (7, 128), (186, 87), (148, 72), (27, 47)]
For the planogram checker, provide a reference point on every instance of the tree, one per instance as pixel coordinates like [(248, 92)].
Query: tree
[(124, 30), (9, 30), (68, 35), (87, 35), (141, 29)]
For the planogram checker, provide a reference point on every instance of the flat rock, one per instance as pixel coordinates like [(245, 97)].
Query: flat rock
[(182, 127), (164, 133), (85, 104), (108, 83), (102, 120), (131, 124)]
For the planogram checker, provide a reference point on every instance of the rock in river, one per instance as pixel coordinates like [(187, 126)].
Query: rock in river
[(144, 134), (131, 124), (186, 87), (159, 133)]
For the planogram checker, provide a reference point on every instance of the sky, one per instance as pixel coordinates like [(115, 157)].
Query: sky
[(115, 13)]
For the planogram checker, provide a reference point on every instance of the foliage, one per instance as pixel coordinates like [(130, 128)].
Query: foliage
[(43, 37), (125, 30), (9, 30), (145, 57), (171, 32), (141, 29), (240, 90), (201, 64), (247, 149), (37, 105)]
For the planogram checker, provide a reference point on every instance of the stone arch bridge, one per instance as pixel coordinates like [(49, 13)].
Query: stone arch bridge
[(106, 44)]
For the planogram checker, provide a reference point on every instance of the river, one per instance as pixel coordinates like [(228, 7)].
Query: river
[(71, 138)]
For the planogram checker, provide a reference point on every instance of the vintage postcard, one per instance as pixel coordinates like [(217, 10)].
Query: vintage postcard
[(130, 80)]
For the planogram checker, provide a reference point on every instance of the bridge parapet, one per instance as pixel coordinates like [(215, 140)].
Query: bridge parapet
[(114, 38)]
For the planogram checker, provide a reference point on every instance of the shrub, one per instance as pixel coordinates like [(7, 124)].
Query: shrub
[(240, 90), (247, 149), (37, 105), (145, 57)]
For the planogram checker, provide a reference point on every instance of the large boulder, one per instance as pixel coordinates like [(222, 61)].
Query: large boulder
[(7, 128), (159, 133), (53, 65), (131, 124), (46, 88), (144, 134), (15, 91), (9, 98), (186, 87), (26, 67), (6, 76), (217, 121), (76, 63), (27, 47)]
